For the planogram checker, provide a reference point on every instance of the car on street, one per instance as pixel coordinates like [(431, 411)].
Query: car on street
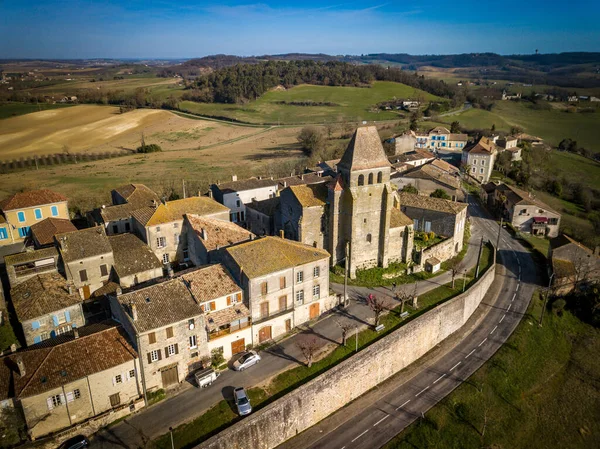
[(241, 401), (77, 442), (246, 361)]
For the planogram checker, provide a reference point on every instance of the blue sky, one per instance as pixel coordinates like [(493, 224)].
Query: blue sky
[(181, 29)]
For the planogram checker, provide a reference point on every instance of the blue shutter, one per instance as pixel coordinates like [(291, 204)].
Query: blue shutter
[(21, 216), (55, 320), (37, 339), (54, 210), (38, 213), (68, 316), (35, 325), (52, 334), (3, 234)]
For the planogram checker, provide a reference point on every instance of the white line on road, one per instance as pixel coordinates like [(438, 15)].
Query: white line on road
[(518, 285), (455, 366), (360, 436), (424, 389), (484, 340), (469, 354), (381, 420), (493, 330), (439, 378), (399, 407), (514, 296), (503, 316), (509, 306)]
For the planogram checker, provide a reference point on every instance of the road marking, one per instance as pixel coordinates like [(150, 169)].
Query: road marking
[(426, 388), (514, 296), (503, 316), (469, 354), (509, 306), (518, 285), (455, 366), (493, 330), (359, 436), (484, 340), (439, 378), (381, 420), (403, 405)]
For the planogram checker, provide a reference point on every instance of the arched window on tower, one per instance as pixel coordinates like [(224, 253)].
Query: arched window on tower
[(361, 180), (379, 178), (370, 178)]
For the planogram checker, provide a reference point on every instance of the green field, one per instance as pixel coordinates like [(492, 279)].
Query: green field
[(352, 104), (540, 390), (13, 109)]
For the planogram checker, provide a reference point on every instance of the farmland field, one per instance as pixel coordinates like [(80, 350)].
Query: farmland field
[(14, 109), (351, 104)]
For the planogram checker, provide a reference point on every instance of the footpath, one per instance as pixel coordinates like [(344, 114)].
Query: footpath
[(188, 402)]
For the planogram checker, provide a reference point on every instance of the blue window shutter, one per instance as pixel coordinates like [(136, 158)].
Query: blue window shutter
[(35, 325), (3, 234), (55, 320), (38, 213), (52, 334), (54, 210), (37, 339), (21, 216), (68, 316)]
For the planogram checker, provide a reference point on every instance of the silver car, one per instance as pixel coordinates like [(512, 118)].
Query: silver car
[(246, 361), (242, 402)]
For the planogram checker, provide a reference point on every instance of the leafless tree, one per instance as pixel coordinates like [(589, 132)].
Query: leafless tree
[(453, 266), (378, 305), (345, 327), (404, 297), (308, 345)]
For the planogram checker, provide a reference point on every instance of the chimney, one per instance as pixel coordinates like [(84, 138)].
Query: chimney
[(103, 206), (210, 193), (134, 314), (234, 177), (75, 332), (251, 237), (20, 366), (164, 200), (204, 234), (70, 289), (281, 234), (154, 204), (284, 184)]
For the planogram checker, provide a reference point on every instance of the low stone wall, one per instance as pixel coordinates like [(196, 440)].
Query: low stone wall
[(319, 398), (442, 251)]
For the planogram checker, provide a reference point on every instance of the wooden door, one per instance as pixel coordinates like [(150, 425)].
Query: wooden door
[(288, 325), (170, 376), (238, 346), (115, 400), (264, 334), (313, 311), (264, 309), (86, 292)]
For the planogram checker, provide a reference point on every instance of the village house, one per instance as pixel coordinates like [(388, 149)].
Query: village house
[(286, 283), (207, 237), (25, 265), (134, 261), (525, 212), (43, 232), (407, 142), (162, 227), (572, 264), (413, 158), (479, 157), (87, 258), (429, 178), (22, 210), (509, 143), (511, 96), (47, 306), (262, 216), (59, 385), (303, 216), (440, 138)]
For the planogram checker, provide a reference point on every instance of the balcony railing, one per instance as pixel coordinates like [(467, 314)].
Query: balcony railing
[(228, 330)]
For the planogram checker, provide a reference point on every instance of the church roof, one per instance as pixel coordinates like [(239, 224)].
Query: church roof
[(364, 151)]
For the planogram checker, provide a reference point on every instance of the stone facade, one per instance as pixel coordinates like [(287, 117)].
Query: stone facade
[(480, 157), (236, 194), (53, 324), (23, 266)]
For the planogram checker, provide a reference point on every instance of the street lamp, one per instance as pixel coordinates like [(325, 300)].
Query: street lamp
[(172, 443)]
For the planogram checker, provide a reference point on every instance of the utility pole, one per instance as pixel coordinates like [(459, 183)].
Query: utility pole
[(546, 300), (183, 181), (346, 302), (479, 258), (498, 240), (356, 336)]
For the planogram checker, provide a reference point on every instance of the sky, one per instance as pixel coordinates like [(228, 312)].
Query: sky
[(186, 29)]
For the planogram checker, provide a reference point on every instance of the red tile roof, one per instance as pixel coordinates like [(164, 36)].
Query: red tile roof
[(31, 198), (45, 230)]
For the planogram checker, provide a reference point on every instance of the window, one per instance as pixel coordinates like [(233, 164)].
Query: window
[(316, 272), (370, 178), (416, 221), (158, 229), (299, 277), (282, 282), (379, 178), (161, 242), (473, 170), (54, 211), (151, 338), (300, 296), (24, 231), (54, 401), (427, 226), (154, 356), (127, 227), (552, 221), (131, 374), (76, 393), (115, 399), (186, 255), (118, 379), (165, 258), (103, 270), (171, 350), (238, 298), (176, 239), (523, 212), (282, 303), (193, 342), (369, 238), (316, 292), (83, 275), (63, 330), (176, 225), (361, 180), (191, 323), (238, 203), (233, 217), (264, 309), (115, 229), (264, 289), (3, 234), (481, 170), (38, 214), (482, 161), (169, 332), (21, 217)]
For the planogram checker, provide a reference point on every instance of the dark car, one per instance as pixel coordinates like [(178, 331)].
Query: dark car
[(77, 442)]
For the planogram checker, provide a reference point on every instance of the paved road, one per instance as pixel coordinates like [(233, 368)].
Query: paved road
[(375, 424)]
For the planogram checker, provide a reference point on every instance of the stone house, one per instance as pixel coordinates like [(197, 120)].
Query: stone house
[(413, 158), (285, 283), (262, 216), (440, 138), (134, 261), (60, 385), (428, 178), (304, 214), (572, 264), (22, 210), (47, 306), (480, 158), (25, 265), (167, 325), (236, 194), (405, 142), (87, 258), (43, 232), (207, 237), (525, 212), (162, 227)]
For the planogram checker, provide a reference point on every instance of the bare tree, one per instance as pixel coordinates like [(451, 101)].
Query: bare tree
[(308, 345), (378, 306), (453, 266), (345, 327)]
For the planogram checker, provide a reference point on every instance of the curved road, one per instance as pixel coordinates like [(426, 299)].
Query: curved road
[(379, 422)]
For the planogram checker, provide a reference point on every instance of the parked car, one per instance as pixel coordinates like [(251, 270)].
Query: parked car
[(205, 377), (77, 442), (246, 361), (242, 402)]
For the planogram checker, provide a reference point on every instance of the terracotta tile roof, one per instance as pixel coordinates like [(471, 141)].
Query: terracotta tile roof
[(267, 207), (83, 244), (45, 230), (30, 256), (428, 203), (445, 166), (125, 190), (49, 367), (307, 178), (138, 195), (364, 151), (398, 219), (159, 305), (218, 233), (214, 320), (564, 239), (41, 295), (107, 289), (131, 255), (434, 173), (310, 195), (270, 254), (175, 210), (245, 184), (459, 136), (482, 146), (118, 212), (439, 130), (211, 282), (336, 184), (31, 198)]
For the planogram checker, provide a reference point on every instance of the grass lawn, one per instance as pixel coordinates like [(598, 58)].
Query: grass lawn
[(540, 390), (13, 109), (352, 104), (576, 168), (221, 415)]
